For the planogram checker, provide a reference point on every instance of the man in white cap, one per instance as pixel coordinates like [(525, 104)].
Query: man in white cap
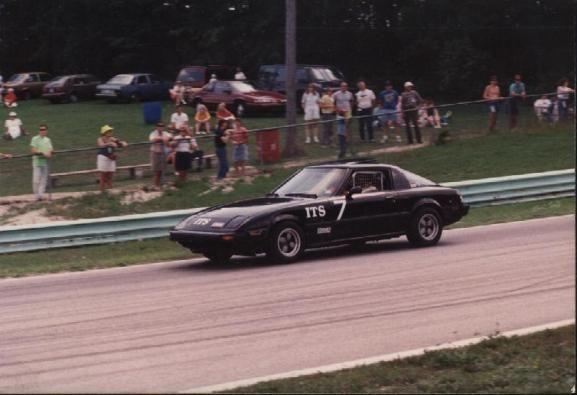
[(13, 127), (410, 103)]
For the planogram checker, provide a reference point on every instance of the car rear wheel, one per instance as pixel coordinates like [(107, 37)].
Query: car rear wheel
[(73, 98), (286, 243), (218, 257), (425, 228)]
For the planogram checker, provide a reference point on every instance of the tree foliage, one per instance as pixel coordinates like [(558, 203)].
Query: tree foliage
[(447, 47)]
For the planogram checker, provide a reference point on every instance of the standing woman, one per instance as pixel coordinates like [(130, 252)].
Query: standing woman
[(183, 145), (221, 137), (311, 106), (492, 95), (106, 157), (563, 92)]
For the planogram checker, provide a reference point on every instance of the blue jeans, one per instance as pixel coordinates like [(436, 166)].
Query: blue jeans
[(222, 162)]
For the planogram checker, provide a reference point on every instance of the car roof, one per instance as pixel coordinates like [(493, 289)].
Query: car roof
[(355, 165), (299, 65), (74, 75)]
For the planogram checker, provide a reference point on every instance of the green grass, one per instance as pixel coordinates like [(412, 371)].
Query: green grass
[(540, 363), (140, 252)]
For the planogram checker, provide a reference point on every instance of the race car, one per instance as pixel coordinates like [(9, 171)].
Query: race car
[(325, 205)]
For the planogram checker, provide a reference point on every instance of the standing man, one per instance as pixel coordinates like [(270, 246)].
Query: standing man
[(159, 141), (517, 93), (41, 148), (344, 104), (327, 115), (410, 103), (365, 103), (492, 95), (389, 98)]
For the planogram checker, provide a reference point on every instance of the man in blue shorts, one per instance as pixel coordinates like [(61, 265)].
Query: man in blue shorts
[(388, 99)]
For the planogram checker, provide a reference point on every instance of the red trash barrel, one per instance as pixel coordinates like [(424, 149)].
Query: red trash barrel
[(268, 146)]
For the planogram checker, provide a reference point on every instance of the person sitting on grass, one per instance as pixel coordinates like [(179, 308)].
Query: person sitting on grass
[(433, 119), (202, 120), (240, 150), (10, 100), (178, 119), (13, 127), (223, 113), (541, 107), (177, 93)]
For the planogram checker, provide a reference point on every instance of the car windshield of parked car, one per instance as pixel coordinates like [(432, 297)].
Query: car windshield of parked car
[(121, 79), (242, 87), (323, 74), (416, 181), (18, 77), (320, 182), (58, 80), (188, 76)]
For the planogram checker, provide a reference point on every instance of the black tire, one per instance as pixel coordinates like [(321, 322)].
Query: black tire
[(239, 109), (218, 257), (425, 227), (72, 98), (285, 243)]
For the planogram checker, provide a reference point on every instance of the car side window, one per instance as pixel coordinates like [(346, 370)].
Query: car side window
[(45, 77), (400, 182), (221, 87), (142, 79), (154, 79), (32, 78), (78, 81), (302, 76), (369, 181)]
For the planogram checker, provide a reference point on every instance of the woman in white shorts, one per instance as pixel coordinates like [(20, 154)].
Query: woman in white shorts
[(106, 158), (310, 102)]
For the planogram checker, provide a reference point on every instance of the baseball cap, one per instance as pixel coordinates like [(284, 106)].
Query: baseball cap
[(12, 114), (105, 129), (408, 83)]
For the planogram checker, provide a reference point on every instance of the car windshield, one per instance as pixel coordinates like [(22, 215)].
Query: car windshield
[(242, 87), (17, 77), (321, 182), (323, 74), (58, 80), (188, 76), (417, 181), (121, 79)]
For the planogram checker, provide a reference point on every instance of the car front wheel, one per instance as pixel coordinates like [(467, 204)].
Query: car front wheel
[(286, 243), (425, 228)]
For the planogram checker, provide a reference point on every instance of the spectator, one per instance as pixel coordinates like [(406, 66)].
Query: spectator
[(343, 103), (212, 78), (342, 132), (179, 119), (202, 120), (433, 119), (177, 93), (223, 113), (239, 75), (517, 93), (310, 102), (41, 148), (389, 99), (13, 127), (159, 141), (410, 103), (106, 156), (554, 110), (563, 92), (492, 95), (10, 100), (365, 103), (240, 147), (327, 105), (541, 107), (187, 150), (221, 137)]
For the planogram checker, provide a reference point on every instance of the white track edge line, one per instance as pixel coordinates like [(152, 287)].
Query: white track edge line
[(370, 360)]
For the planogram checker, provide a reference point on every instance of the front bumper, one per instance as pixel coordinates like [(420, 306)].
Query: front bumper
[(234, 242)]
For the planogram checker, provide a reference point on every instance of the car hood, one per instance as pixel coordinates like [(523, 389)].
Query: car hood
[(233, 215)]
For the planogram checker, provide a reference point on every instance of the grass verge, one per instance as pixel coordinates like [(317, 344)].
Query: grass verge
[(541, 363), (156, 250)]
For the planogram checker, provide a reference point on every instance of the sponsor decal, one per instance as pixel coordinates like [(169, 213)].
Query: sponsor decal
[(324, 231), (201, 221)]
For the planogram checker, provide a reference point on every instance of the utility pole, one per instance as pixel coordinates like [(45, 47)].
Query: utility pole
[(290, 148)]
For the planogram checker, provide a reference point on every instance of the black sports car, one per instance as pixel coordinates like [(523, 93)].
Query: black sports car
[(324, 205)]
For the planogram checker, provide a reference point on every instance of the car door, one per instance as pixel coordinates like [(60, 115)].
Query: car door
[(374, 210), (143, 87), (157, 88), (223, 93)]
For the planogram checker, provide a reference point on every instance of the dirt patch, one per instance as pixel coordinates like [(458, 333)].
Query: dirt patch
[(140, 196), (32, 217)]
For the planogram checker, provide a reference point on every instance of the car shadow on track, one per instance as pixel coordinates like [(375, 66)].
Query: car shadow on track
[(309, 257)]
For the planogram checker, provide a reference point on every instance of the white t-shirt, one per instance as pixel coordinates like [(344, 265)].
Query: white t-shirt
[(185, 143), (240, 76), (14, 127), (310, 100), (365, 99), (179, 119), (158, 147)]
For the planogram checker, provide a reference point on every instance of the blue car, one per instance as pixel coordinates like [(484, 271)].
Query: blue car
[(133, 88)]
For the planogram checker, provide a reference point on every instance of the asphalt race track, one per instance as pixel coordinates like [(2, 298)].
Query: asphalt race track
[(175, 326)]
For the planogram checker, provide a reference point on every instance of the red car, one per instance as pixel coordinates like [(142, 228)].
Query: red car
[(240, 97)]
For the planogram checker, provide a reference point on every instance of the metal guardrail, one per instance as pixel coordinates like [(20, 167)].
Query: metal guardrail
[(487, 191)]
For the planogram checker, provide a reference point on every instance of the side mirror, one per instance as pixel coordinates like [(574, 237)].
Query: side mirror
[(353, 191)]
